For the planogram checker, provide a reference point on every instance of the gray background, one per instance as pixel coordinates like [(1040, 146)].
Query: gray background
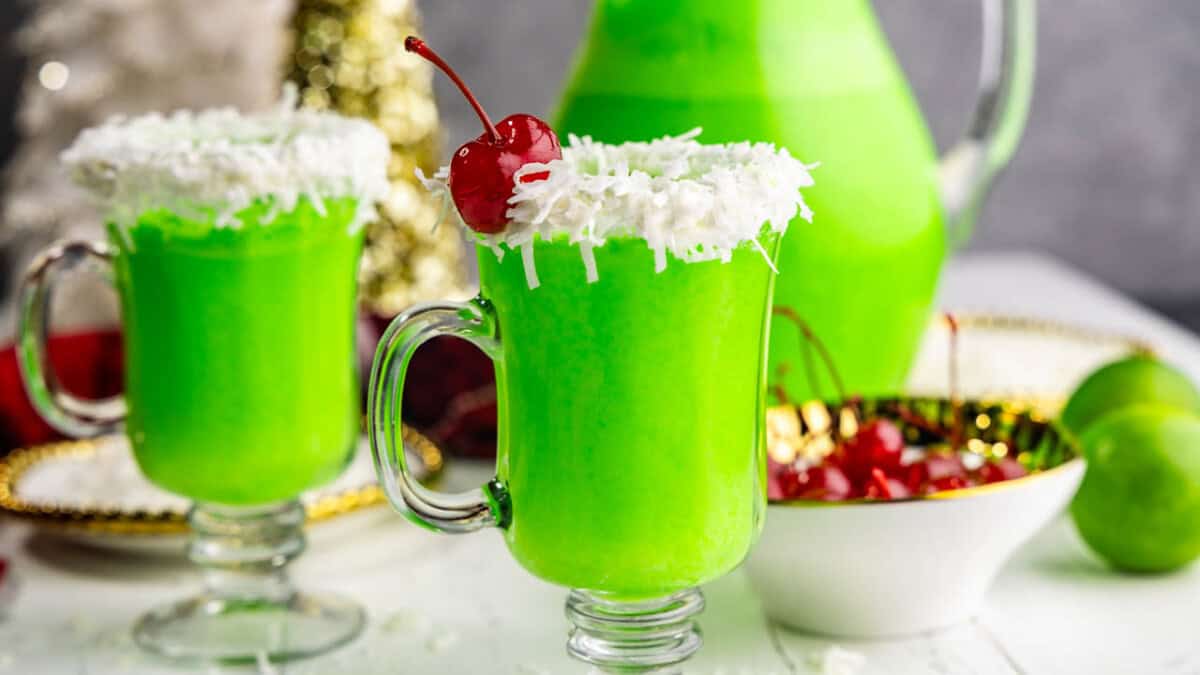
[(1107, 177)]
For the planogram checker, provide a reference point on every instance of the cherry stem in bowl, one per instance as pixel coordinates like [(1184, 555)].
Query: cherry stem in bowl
[(955, 399), (880, 481), (417, 46), (778, 389), (811, 341), (916, 420)]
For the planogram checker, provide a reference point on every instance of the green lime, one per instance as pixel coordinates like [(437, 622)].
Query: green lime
[(1139, 505), (1129, 381)]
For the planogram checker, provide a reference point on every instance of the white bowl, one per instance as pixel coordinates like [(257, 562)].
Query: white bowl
[(876, 569), (881, 569)]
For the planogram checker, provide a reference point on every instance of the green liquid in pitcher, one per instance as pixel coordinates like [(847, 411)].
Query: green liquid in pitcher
[(815, 76), (240, 370), (631, 414)]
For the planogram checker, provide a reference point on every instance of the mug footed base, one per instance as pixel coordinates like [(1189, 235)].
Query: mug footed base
[(646, 636), (213, 629), (249, 611)]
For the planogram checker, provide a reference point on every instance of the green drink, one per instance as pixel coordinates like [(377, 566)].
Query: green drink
[(252, 399), (631, 436), (626, 305), (234, 242), (811, 75)]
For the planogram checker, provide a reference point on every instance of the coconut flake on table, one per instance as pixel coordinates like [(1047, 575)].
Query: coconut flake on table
[(836, 660), (216, 163), (696, 202)]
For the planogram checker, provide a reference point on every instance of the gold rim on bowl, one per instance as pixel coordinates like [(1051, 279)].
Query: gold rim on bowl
[(1030, 327), (1048, 328)]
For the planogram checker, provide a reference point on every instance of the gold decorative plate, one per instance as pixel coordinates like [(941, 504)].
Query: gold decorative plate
[(92, 491)]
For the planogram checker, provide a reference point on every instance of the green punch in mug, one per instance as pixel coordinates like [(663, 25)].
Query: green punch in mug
[(233, 242), (626, 308)]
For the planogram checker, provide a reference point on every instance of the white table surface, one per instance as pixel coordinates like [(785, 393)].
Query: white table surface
[(442, 604)]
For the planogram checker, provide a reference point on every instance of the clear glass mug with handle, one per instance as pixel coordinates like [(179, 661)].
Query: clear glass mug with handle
[(210, 416), (630, 450), (238, 320)]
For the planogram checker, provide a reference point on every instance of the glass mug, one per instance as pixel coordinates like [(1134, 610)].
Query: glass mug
[(630, 459), (240, 393)]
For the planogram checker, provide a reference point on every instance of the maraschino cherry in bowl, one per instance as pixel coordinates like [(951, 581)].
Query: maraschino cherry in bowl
[(855, 550), (892, 516)]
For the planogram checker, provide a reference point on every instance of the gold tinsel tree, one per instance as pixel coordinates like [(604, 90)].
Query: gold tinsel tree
[(348, 55)]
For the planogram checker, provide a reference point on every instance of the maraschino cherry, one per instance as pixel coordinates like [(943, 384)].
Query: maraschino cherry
[(882, 486), (878, 444), (822, 482), (870, 462), (936, 472), (481, 173), (1005, 468)]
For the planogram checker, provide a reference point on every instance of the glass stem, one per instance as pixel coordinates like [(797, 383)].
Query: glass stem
[(645, 636), (243, 552)]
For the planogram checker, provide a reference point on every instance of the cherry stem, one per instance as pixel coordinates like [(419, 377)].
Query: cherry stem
[(914, 419), (812, 341), (879, 478), (778, 389), (955, 401), (417, 46)]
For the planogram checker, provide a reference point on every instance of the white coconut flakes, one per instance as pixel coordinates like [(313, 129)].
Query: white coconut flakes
[(693, 201), (211, 165)]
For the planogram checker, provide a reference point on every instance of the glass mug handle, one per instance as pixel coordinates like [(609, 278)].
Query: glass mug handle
[(1006, 77), (487, 506), (68, 414)]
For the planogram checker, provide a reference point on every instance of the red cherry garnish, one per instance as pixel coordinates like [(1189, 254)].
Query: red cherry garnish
[(947, 483), (3, 570), (877, 486), (899, 489), (943, 472), (783, 481), (934, 468), (481, 173), (882, 486), (939, 466), (876, 445), (824, 483), (1005, 468)]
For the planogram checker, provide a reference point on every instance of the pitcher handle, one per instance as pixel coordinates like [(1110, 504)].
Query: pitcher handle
[(68, 414), (1006, 77), (486, 506)]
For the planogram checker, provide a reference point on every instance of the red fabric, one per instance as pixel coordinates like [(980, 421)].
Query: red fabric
[(450, 392), (89, 365)]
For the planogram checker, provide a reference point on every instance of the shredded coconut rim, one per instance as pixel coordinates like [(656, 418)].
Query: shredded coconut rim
[(693, 201), (211, 165)]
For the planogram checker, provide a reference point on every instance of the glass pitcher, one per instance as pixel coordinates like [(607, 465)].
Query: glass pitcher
[(818, 77)]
